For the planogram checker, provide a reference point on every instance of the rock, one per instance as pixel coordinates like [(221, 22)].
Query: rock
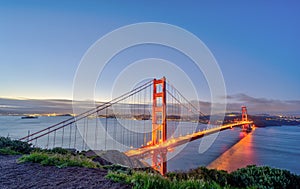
[(110, 157)]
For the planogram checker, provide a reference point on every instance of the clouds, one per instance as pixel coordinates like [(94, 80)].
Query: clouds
[(254, 105), (27, 106), (263, 105)]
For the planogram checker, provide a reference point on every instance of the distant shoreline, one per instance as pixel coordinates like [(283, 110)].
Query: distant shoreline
[(259, 120)]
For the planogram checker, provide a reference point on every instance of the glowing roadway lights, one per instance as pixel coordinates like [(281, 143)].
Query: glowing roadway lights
[(171, 143)]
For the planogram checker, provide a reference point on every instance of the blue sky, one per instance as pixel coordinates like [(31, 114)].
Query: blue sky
[(256, 43)]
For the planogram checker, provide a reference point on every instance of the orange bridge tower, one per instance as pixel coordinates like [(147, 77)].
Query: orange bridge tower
[(244, 114), (245, 127), (159, 124)]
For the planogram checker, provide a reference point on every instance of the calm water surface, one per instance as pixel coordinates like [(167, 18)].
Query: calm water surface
[(274, 146)]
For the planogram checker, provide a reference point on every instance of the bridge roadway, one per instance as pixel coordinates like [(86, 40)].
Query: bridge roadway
[(173, 142)]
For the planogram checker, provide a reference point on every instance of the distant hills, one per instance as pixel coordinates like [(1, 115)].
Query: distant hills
[(64, 107), (61, 106), (33, 106)]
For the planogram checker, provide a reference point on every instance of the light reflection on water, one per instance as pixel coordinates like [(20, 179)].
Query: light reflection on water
[(239, 155), (273, 146), (190, 158)]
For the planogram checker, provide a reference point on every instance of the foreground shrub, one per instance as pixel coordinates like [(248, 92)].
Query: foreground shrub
[(117, 168), (248, 177), (8, 151), (58, 160), (264, 177), (202, 173), (16, 146), (56, 150), (143, 180)]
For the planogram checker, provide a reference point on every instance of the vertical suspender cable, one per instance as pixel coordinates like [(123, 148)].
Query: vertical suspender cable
[(105, 138), (54, 138), (75, 135), (70, 135), (62, 136), (48, 140)]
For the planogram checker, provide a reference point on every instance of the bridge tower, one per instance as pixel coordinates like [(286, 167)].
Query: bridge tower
[(245, 127), (244, 114), (159, 124)]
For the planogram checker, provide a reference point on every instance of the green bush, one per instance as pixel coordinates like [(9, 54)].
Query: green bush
[(248, 177), (8, 151), (58, 160), (59, 150), (15, 145), (264, 177), (117, 168), (201, 173), (143, 180), (118, 177), (56, 150)]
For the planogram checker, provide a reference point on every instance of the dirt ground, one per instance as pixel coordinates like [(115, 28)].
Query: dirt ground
[(30, 175)]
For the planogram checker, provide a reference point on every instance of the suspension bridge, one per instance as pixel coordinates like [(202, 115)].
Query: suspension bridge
[(145, 122)]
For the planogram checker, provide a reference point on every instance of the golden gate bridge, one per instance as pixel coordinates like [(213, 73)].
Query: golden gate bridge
[(146, 122)]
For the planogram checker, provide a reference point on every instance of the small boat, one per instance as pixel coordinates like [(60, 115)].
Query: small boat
[(29, 117)]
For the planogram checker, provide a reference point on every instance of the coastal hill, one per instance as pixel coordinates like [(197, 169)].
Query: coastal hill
[(264, 120)]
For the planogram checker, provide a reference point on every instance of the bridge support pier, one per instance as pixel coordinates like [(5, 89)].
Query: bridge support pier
[(159, 161)]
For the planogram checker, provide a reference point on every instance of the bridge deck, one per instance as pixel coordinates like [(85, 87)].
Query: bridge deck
[(173, 142)]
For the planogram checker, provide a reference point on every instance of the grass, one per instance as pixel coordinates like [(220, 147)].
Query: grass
[(264, 176), (13, 147), (143, 180), (59, 160), (56, 150), (248, 177), (57, 156), (8, 151), (54, 157)]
